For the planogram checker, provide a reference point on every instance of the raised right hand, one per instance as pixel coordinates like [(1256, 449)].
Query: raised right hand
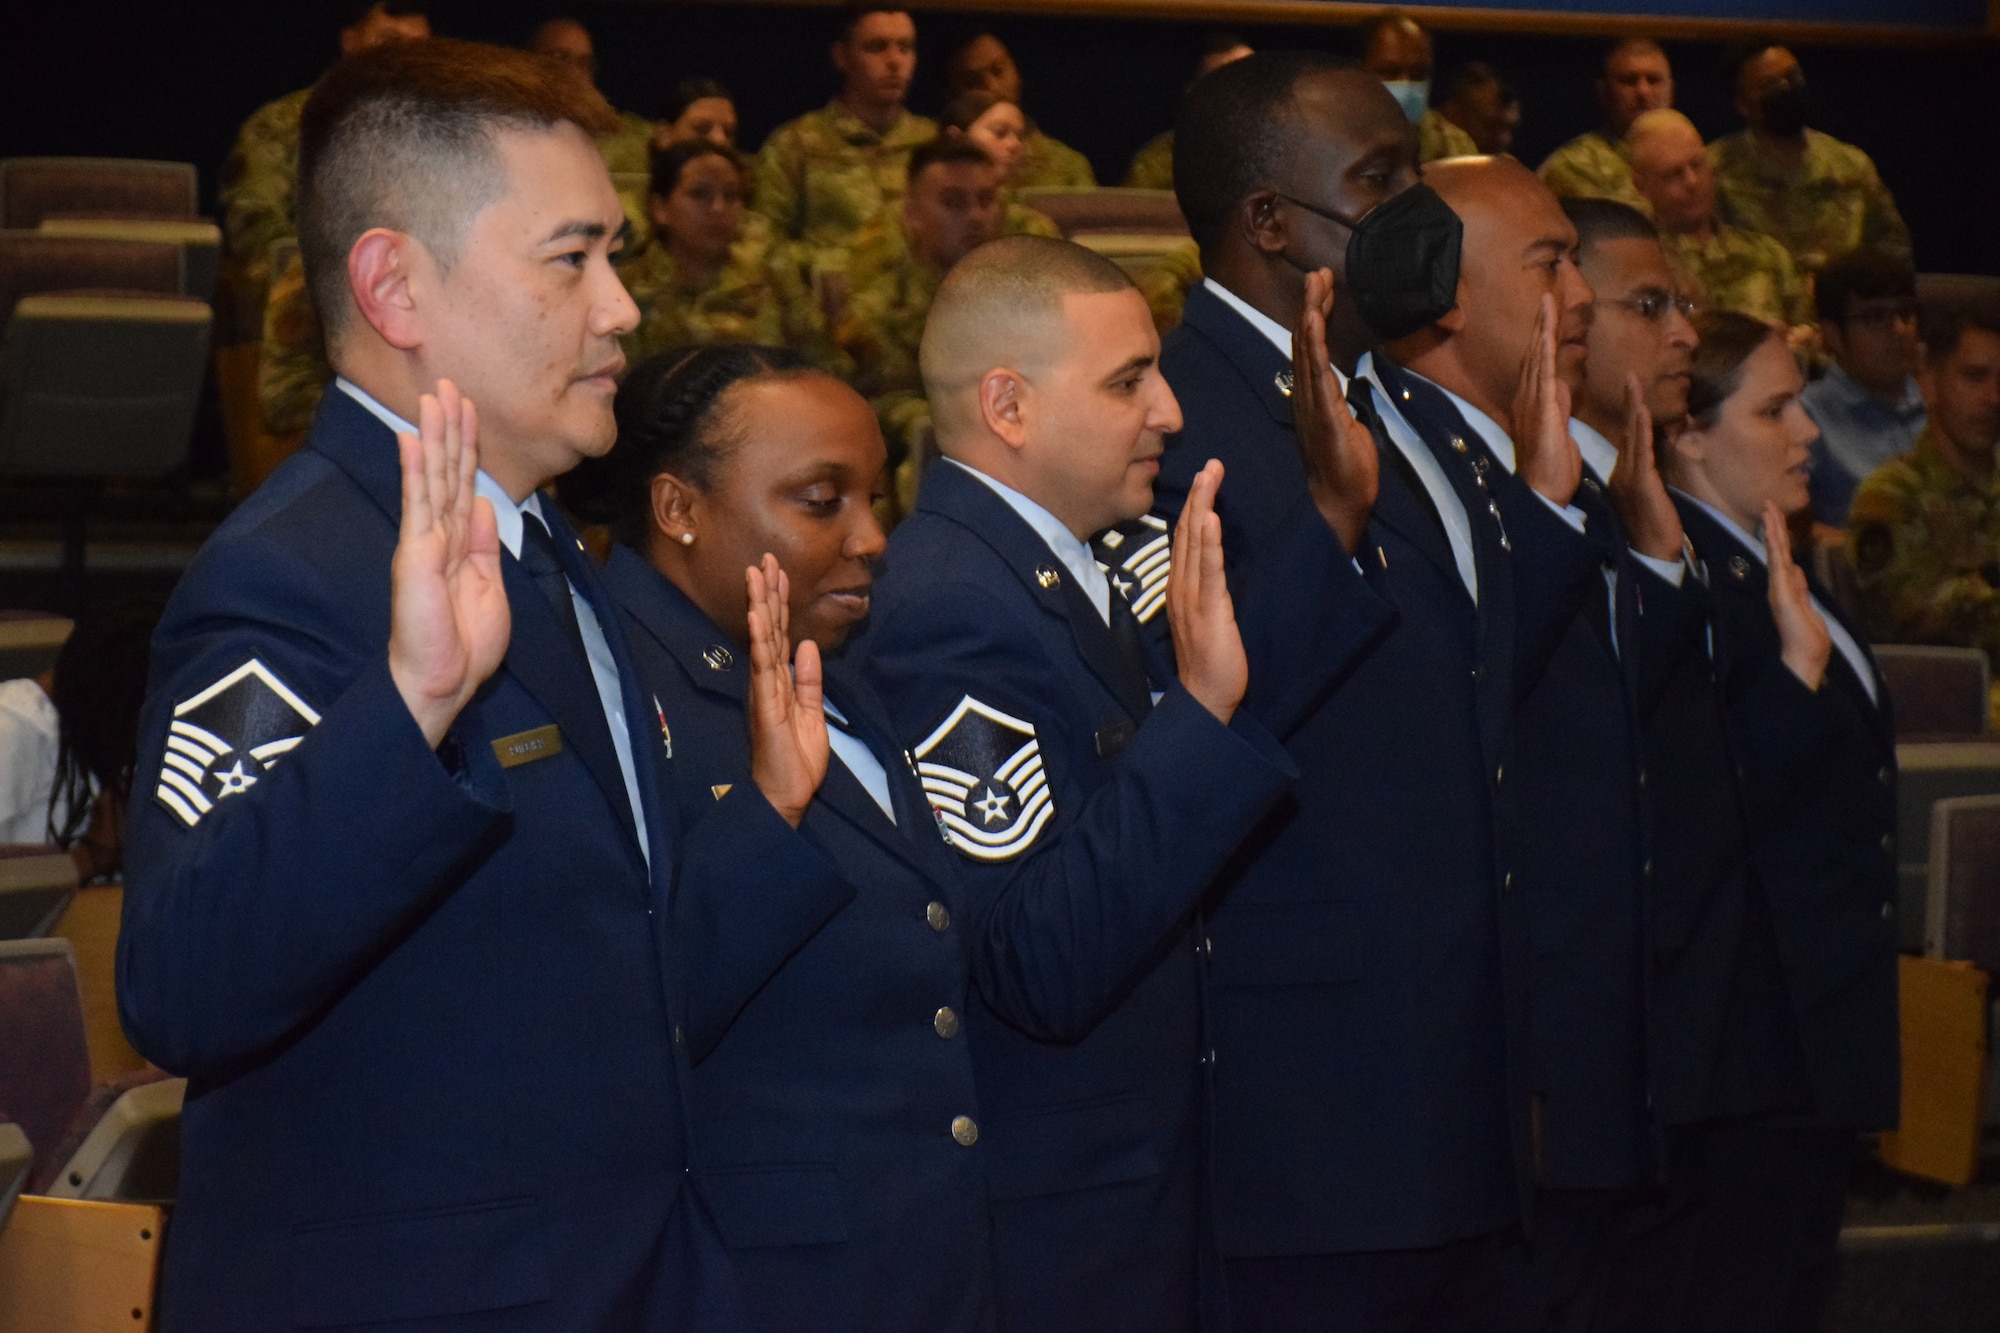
[(1544, 455), (1207, 646), (1342, 468), (1803, 641), (789, 746), (448, 615)]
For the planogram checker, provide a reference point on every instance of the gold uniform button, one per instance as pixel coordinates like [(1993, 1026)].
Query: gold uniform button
[(945, 1023), (939, 916), (965, 1130)]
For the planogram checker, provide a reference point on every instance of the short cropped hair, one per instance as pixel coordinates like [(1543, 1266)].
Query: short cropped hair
[(1867, 274), (1738, 54), (944, 149), (1942, 336), (401, 137), (1232, 135), (1600, 220), (686, 92), (963, 111), (1621, 46), (851, 14), (1470, 77), (991, 293)]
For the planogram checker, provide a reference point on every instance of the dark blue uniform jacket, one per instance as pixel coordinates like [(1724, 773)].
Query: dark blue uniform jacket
[(1086, 1035), (822, 1106), (1819, 784), (424, 1001)]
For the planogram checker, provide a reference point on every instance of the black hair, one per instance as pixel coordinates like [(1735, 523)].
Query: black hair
[(1465, 79), (944, 148), (854, 11), (1600, 220), (667, 422), (1866, 274), (965, 35), (965, 109), (1625, 44), (1943, 335), (1233, 134), (99, 687), (667, 164), (686, 92), (1738, 54)]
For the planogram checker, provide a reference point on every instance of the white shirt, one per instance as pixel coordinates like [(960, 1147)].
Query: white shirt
[(29, 731), (1457, 526), (1857, 657), (1066, 546), (507, 518), (860, 760)]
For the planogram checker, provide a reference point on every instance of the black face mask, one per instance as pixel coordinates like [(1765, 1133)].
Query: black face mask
[(1784, 109), (1402, 260)]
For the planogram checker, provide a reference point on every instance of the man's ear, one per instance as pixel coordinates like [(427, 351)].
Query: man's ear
[(1263, 223), (1003, 406), (838, 53), (380, 269), (1452, 321)]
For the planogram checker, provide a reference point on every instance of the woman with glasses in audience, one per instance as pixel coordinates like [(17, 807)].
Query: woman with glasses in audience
[(705, 277), (833, 1106), (1816, 753)]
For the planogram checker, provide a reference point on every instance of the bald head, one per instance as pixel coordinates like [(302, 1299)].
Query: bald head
[(1670, 167), (1002, 305), (1519, 248)]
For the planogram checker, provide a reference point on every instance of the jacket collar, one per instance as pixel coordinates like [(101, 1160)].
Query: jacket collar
[(1263, 368)]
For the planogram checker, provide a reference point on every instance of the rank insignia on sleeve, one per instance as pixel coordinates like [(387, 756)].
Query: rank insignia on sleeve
[(982, 773), (1137, 557), (226, 737)]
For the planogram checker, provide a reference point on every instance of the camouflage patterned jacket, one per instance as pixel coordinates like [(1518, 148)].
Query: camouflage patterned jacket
[(1926, 546), (260, 181), (1052, 164), (1438, 137), (821, 178), (760, 297), (1153, 165), (292, 370), (627, 150), (1830, 203), (1593, 166), (1741, 270)]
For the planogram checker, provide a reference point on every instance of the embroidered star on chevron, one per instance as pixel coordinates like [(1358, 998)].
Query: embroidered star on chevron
[(249, 714), (982, 773)]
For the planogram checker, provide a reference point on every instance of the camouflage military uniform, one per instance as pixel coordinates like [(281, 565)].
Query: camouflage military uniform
[(292, 370), (1926, 546), (1593, 166), (1831, 203), (1052, 164), (627, 149), (821, 178), (889, 300), (1153, 165), (760, 297), (1164, 282), (260, 181), (1438, 137), (1741, 270)]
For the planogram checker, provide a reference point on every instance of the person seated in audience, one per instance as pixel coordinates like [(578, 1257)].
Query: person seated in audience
[(1925, 528), (69, 738), (726, 457), (953, 207), (697, 108), (1730, 267), (1396, 50), (825, 176), (1807, 713), (258, 188), (292, 369), (1483, 104), (1867, 405), (1153, 165), (979, 62), (567, 40), (703, 278), (1817, 195), (1635, 79), (997, 128)]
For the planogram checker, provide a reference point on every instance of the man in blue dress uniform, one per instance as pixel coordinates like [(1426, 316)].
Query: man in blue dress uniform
[(396, 899)]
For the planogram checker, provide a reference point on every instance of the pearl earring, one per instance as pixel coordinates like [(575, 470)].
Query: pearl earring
[(687, 539)]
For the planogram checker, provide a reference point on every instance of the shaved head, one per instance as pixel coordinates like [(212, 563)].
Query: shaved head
[(1664, 125), (1002, 305)]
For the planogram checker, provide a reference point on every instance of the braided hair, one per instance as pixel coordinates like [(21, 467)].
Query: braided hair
[(668, 421), (99, 686)]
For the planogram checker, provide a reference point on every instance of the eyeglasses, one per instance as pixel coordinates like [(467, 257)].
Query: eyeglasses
[(1653, 306)]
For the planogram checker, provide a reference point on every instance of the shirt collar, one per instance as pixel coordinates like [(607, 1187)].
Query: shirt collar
[(1851, 390), (1497, 440), (506, 513), (1277, 334), (1600, 453), (1064, 544), (1729, 525)]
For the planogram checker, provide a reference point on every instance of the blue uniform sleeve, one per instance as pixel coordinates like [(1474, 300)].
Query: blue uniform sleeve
[(258, 889), (1068, 913), (749, 891)]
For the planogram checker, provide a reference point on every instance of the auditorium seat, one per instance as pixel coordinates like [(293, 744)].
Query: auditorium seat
[(36, 885), (16, 1157), (29, 642), (1929, 772), (34, 188), (1082, 213), (200, 243), (1942, 294), (133, 1153), (1938, 693), (44, 1063), (1962, 907)]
